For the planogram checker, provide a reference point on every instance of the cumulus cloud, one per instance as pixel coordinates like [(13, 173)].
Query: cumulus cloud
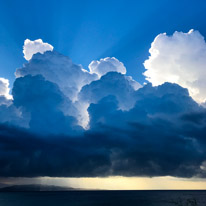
[(133, 130), (71, 78), (4, 87), (4, 90), (37, 46), (43, 101), (144, 134), (138, 142), (179, 58), (108, 64), (58, 69), (112, 83), (9, 113)]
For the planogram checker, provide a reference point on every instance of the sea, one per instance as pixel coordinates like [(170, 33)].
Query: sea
[(104, 198)]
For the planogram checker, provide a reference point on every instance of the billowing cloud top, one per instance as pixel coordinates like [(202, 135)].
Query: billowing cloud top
[(181, 59), (37, 46), (58, 69), (66, 121), (106, 65)]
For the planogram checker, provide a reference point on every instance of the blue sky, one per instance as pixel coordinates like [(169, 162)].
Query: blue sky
[(89, 30)]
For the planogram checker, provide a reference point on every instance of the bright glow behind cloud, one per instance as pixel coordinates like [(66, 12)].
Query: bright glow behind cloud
[(4, 88), (181, 59), (37, 46)]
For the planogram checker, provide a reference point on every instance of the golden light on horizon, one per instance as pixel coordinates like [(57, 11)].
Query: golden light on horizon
[(129, 183)]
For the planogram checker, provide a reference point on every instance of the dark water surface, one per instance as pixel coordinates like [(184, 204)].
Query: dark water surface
[(109, 198)]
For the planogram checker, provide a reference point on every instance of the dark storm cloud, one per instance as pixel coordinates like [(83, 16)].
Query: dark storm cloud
[(43, 101), (163, 134), (159, 140), (26, 155)]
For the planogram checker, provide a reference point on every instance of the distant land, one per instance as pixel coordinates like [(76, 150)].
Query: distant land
[(34, 187)]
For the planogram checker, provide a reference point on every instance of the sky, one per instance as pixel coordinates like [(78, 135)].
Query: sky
[(93, 92), (90, 30)]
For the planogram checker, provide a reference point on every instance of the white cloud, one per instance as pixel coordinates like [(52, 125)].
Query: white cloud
[(108, 64), (179, 58), (32, 47), (58, 69), (4, 88), (70, 77), (113, 83), (136, 85)]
